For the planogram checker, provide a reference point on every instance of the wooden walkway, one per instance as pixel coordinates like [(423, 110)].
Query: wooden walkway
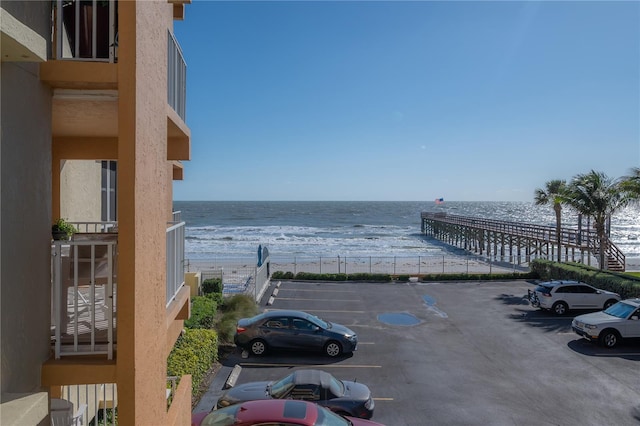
[(521, 241)]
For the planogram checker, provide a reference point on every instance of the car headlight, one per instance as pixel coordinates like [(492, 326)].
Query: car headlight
[(590, 327), (223, 403), (369, 404), (351, 337)]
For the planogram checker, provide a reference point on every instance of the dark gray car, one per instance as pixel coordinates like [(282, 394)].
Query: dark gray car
[(344, 397), (293, 330)]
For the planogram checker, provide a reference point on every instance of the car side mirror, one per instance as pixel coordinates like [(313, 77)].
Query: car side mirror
[(634, 318), (316, 328)]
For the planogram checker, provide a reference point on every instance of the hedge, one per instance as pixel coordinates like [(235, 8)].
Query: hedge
[(401, 278), (203, 311), (194, 353), (627, 286)]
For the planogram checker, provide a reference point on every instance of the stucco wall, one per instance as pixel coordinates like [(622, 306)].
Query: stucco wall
[(80, 190), (26, 226), (144, 195)]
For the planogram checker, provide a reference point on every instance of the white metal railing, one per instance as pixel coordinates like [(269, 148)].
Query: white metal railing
[(86, 30), (175, 259), (177, 77), (95, 226), (98, 401), (177, 216), (84, 293)]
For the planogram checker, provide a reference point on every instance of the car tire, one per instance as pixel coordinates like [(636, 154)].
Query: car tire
[(608, 303), (333, 348), (559, 308), (258, 347), (609, 338)]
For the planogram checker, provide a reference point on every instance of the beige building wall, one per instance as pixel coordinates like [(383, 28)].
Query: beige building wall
[(80, 190), (42, 179), (25, 204)]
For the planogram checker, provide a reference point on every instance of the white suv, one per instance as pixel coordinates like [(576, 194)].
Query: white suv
[(620, 321), (561, 296)]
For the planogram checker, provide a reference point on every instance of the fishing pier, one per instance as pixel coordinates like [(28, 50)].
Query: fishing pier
[(520, 242)]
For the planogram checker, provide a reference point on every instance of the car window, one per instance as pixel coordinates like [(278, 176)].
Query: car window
[(544, 289), (301, 324), (336, 388), (281, 322), (586, 289), (222, 416), (281, 388), (620, 310), (329, 418), (566, 289)]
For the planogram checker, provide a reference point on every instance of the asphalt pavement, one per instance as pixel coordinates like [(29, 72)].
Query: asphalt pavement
[(456, 353)]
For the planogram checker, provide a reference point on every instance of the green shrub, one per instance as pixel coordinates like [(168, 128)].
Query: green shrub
[(279, 275), (216, 297), (234, 308), (212, 285), (194, 353), (626, 285), (308, 276), (203, 312)]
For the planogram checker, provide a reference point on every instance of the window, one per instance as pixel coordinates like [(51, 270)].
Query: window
[(300, 324), (586, 289), (109, 191), (277, 323)]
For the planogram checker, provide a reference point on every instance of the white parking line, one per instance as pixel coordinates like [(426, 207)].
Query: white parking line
[(265, 364), (318, 290)]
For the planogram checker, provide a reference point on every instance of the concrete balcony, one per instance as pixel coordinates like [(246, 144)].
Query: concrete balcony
[(84, 288)]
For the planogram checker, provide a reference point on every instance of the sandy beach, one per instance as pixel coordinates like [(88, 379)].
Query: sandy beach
[(236, 269)]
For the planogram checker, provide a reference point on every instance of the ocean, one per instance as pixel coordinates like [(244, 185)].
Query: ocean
[(219, 230)]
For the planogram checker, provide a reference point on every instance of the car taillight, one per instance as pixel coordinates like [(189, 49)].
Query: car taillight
[(546, 294), (240, 329)]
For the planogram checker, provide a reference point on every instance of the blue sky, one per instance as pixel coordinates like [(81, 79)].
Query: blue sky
[(403, 101)]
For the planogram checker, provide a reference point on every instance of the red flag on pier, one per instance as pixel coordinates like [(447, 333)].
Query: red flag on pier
[(439, 200)]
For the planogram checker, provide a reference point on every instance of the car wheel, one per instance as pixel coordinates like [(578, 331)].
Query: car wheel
[(560, 308), (608, 303), (333, 348), (258, 347), (609, 338)]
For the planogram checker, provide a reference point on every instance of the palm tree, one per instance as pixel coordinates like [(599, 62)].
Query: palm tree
[(597, 196), (554, 194), (631, 184)]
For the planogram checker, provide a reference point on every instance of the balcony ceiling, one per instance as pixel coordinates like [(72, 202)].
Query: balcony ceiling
[(85, 113)]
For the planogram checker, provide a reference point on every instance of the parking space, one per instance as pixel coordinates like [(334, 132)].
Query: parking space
[(461, 354)]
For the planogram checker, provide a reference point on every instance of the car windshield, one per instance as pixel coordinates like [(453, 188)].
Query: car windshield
[(221, 417), (329, 418), (319, 321), (336, 387), (281, 388), (620, 310)]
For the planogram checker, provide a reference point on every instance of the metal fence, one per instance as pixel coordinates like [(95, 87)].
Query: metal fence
[(241, 275), (238, 276), (397, 265)]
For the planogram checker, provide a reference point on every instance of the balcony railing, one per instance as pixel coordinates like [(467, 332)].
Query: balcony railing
[(100, 402), (84, 287), (86, 30), (84, 294), (177, 78), (175, 259)]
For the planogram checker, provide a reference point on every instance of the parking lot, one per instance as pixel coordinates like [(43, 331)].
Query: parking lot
[(477, 354)]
